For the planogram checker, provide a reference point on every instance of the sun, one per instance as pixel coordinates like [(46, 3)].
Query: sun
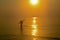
[(34, 2)]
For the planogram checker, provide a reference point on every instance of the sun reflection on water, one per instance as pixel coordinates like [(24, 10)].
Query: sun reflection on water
[(34, 27), (34, 38)]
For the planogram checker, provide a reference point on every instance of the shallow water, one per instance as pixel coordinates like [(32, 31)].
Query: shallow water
[(34, 30), (38, 38), (25, 37)]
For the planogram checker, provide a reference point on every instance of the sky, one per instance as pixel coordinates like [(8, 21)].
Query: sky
[(12, 11)]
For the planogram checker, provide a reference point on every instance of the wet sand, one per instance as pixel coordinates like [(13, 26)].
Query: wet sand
[(26, 37)]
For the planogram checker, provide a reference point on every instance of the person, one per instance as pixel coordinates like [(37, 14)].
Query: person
[(21, 26)]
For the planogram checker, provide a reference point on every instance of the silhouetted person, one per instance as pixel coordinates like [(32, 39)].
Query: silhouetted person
[(21, 26)]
